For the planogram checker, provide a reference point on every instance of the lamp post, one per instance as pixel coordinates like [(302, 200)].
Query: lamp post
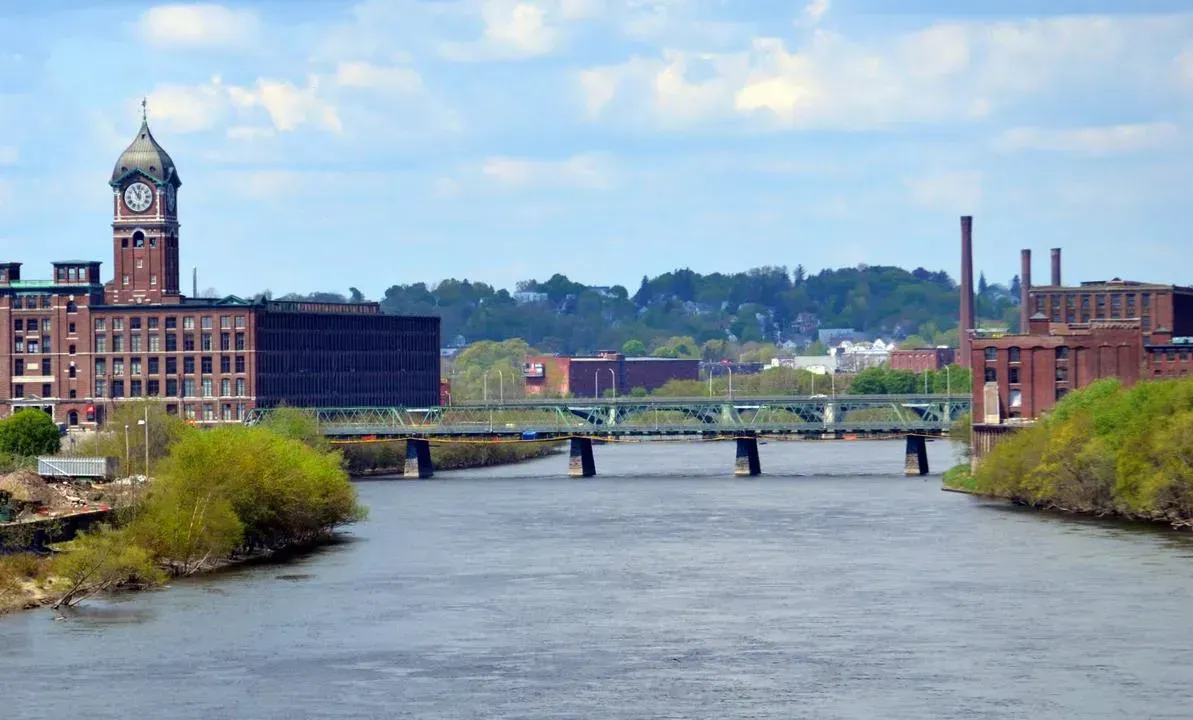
[(145, 422), (614, 376), (596, 383), (127, 469), (730, 369), (485, 384)]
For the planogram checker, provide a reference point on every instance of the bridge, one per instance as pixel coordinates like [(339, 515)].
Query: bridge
[(582, 422)]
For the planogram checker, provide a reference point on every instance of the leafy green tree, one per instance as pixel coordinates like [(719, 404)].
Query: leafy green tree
[(102, 560), (165, 429), (298, 424), (633, 348), (27, 433)]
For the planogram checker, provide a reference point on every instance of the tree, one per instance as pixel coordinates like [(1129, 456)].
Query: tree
[(799, 276), (99, 561), (983, 288), (165, 429), (633, 348), (298, 424), (28, 433), (355, 296), (1016, 288), (643, 296)]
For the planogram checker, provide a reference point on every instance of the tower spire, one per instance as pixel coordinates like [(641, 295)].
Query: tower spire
[(144, 110)]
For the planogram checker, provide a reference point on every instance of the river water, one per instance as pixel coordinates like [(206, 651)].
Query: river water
[(830, 587)]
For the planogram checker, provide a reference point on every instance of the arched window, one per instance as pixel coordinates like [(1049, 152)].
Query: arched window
[(138, 239), (73, 417), (1013, 354)]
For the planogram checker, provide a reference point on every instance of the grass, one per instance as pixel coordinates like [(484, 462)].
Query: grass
[(959, 478)]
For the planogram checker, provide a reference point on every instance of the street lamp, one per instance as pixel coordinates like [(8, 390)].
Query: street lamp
[(614, 375), (596, 383), (730, 369), (127, 470)]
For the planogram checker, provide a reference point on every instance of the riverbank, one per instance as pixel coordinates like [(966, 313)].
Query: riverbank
[(389, 458)]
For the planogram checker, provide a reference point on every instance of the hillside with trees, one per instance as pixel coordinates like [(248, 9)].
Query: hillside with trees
[(762, 305)]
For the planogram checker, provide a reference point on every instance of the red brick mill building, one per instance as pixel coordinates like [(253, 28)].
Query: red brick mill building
[(1071, 337), (75, 346)]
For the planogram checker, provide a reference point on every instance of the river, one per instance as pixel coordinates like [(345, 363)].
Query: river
[(830, 587)]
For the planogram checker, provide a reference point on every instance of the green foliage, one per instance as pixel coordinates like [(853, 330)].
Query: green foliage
[(633, 348), (760, 305), (885, 381), (768, 383), (28, 433), (298, 424), (492, 369), (391, 456), (102, 560), (959, 477), (1104, 449), (164, 430)]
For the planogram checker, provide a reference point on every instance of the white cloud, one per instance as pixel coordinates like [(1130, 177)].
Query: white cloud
[(815, 11), (512, 29), (1107, 140), (591, 172), (189, 108), (953, 191), (249, 132), (201, 25), (950, 71), (363, 75)]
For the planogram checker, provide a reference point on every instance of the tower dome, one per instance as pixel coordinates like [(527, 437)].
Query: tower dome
[(146, 155)]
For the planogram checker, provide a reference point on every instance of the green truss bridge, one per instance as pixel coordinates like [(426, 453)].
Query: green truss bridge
[(583, 421)]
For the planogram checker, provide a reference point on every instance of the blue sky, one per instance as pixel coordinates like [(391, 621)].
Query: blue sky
[(326, 144)]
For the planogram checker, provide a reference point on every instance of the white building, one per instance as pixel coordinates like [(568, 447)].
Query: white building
[(853, 357), (817, 364)]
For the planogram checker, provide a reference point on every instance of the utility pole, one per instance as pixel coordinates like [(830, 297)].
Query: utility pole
[(127, 470)]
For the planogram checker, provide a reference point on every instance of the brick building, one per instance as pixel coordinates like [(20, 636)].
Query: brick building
[(75, 346), (920, 360), (1074, 336), (559, 376)]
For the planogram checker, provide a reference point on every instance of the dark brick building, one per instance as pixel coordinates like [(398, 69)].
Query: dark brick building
[(1075, 336), (558, 376), (75, 346), (919, 360)]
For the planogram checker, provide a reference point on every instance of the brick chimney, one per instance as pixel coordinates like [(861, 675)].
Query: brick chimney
[(966, 319), (1055, 267), (1024, 290)]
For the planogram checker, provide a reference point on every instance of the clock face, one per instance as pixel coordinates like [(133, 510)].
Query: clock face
[(138, 197)]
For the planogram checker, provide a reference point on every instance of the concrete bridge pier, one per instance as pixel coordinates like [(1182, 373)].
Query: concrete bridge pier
[(747, 463), (418, 460), (916, 458), (581, 462)]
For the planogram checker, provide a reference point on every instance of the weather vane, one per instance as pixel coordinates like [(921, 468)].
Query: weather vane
[(144, 110)]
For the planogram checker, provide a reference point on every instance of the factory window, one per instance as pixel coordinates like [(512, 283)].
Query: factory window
[(991, 354), (1062, 373), (1062, 353), (188, 365), (1100, 307), (1116, 306), (1131, 305), (1061, 392), (991, 375), (171, 323), (1070, 309), (1013, 375), (1056, 308), (1013, 354)]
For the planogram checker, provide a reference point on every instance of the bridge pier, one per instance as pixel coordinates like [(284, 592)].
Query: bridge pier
[(747, 463), (916, 457), (418, 460), (581, 462)]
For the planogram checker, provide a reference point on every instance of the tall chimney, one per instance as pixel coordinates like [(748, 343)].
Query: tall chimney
[(1024, 290), (966, 319), (1055, 267), (195, 281)]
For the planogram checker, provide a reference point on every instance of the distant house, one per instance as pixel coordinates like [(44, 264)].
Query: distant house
[(526, 297), (853, 357), (832, 336), (816, 364)]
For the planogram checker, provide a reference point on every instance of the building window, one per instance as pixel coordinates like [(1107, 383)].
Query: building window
[(134, 342), (225, 342), (1170, 355), (239, 341), (1062, 353), (101, 388), (70, 328), (1116, 306), (117, 323), (155, 343), (134, 388), (18, 345), (31, 346), (227, 412), (71, 372), (46, 370), (1131, 305), (1070, 309), (189, 410), (188, 342), (117, 343), (207, 387), (206, 342), (188, 387), (239, 363), (123, 281), (1013, 354), (1062, 373), (153, 279), (118, 366), (1013, 375), (171, 342), (171, 322), (239, 387), (188, 323), (240, 322), (31, 325), (225, 364), (206, 365), (208, 412), (71, 307), (100, 324), (152, 323), (1100, 307), (225, 388), (138, 240), (134, 323), (18, 391), (47, 391), (225, 322), (154, 388), (134, 366), (206, 322), (154, 366), (18, 325), (171, 387), (188, 365), (101, 367), (991, 354), (1056, 308), (171, 366), (140, 263), (117, 388), (991, 375), (1061, 392), (70, 349)]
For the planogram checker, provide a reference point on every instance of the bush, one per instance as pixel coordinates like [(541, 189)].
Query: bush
[(103, 560), (28, 433)]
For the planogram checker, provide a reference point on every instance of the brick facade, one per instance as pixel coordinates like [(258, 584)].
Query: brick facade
[(76, 348), (561, 376), (920, 360)]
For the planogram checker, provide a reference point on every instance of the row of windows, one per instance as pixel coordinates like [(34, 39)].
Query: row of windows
[(32, 302), (1076, 308), (47, 390), (1014, 354), (228, 411), (227, 322), (153, 388), (73, 273), (228, 341), (32, 345), (1171, 354), (153, 365)]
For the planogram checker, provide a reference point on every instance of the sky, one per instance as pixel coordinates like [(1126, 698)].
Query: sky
[(323, 145)]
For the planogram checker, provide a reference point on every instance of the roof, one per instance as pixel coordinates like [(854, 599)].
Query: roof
[(77, 262), (46, 285), (146, 156)]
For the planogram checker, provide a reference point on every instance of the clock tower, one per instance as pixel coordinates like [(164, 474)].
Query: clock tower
[(144, 223)]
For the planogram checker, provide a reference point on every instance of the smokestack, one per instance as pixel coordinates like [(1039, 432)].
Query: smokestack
[(966, 320), (1024, 290), (1055, 267), (195, 281)]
